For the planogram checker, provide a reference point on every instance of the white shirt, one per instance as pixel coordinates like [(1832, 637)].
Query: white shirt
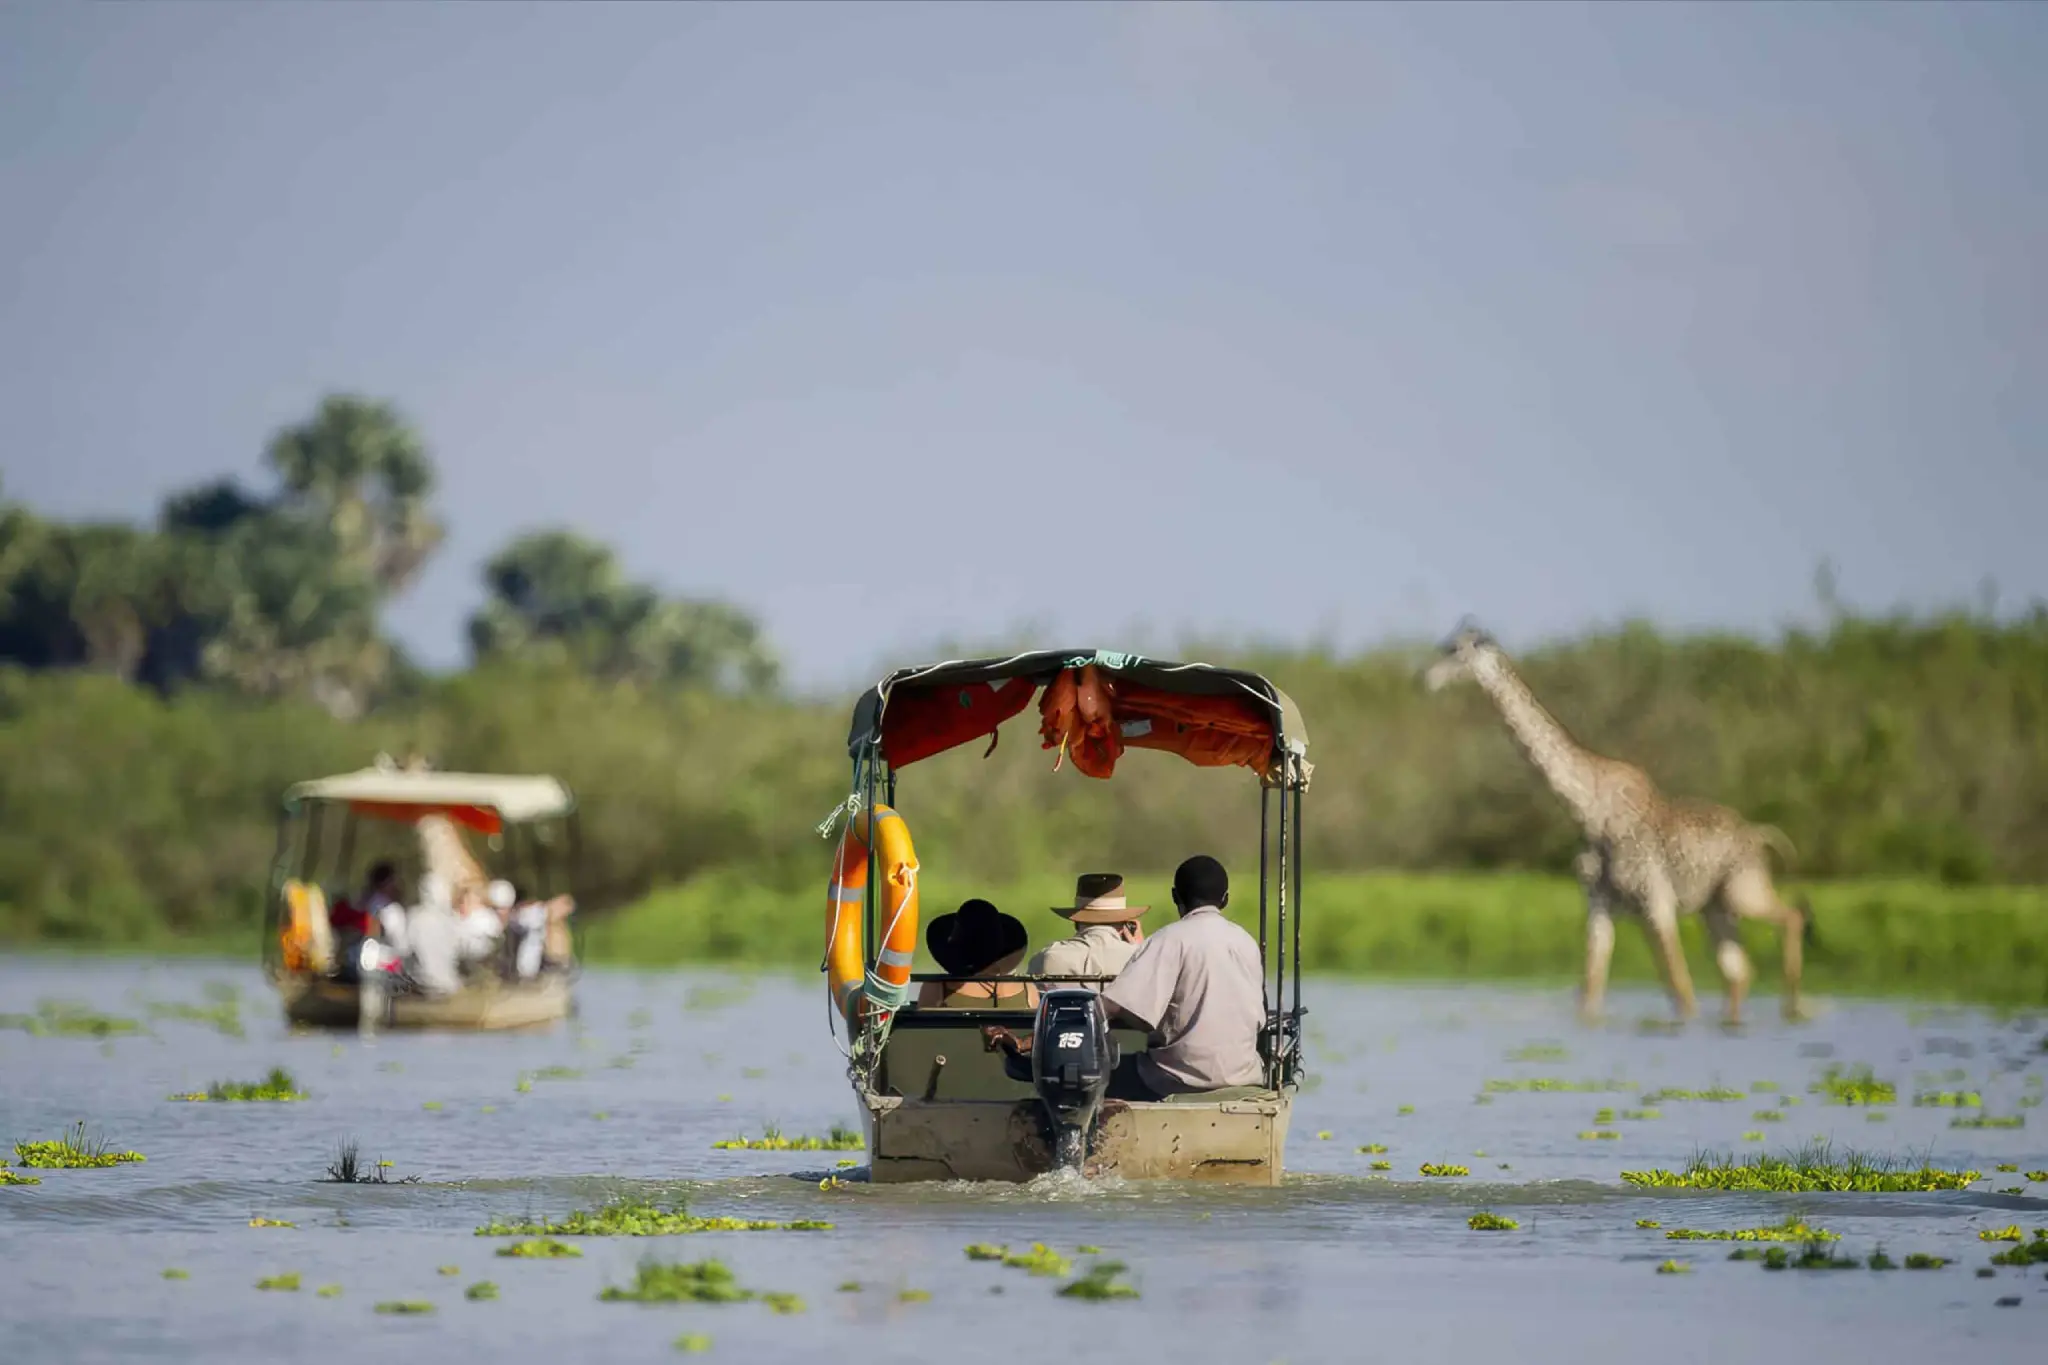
[(436, 936), (1200, 986)]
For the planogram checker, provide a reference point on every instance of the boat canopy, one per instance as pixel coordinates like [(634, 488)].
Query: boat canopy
[(1094, 705), (485, 802)]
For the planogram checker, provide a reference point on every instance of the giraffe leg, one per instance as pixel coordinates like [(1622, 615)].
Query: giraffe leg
[(1729, 957), (1660, 917), (1749, 894), (1599, 949)]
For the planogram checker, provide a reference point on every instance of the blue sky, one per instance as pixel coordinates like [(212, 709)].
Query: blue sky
[(1101, 322)]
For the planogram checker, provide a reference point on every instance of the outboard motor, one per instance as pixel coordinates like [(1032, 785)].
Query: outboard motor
[(1072, 1056)]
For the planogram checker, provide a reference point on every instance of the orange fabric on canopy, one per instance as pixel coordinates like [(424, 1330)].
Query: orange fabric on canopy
[(923, 722), (482, 819)]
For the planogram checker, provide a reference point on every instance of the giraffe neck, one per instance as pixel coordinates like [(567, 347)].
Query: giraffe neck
[(443, 853), (1565, 764)]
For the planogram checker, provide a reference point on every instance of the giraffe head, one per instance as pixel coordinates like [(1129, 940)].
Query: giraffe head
[(1459, 656)]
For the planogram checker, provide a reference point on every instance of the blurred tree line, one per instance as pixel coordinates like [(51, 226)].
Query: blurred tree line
[(160, 686)]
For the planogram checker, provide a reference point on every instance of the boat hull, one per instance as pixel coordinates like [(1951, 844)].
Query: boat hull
[(1231, 1141), (484, 1005)]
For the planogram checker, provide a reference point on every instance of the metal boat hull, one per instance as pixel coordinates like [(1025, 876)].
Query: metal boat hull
[(321, 1003)]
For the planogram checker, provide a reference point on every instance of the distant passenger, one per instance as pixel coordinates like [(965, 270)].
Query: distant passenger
[(977, 940), (1108, 935), (383, 911), (434, 932)]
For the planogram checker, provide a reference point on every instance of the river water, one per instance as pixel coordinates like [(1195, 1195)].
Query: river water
[(1339, 1264)]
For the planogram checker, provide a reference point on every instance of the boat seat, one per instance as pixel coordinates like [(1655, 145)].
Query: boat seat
[(972, 1072)]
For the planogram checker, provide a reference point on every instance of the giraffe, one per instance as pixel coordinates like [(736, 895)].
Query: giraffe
[(444, 853), (1647, 854)]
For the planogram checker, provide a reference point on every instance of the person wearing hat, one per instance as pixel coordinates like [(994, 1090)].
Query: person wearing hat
[(977, 940), (1109, 933)]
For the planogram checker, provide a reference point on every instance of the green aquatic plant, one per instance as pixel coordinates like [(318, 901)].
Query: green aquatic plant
[(539, 1249), (1762, 1087), (279, 1085), (1920, 1260), (913, 1296), (1768, 1116), (448, 1270), (1648, 1223), (849, 1286), (288, 1282), (1383, 1165), (1990, 1121), (1599, 1135), (1603, 1117), (1040, 1260), (1811, 1169), (68, 1019), (1641, 1115), (347, 1169), (75, 1150), (1405, 1109), (329, 1291), (982, 1251), (839, 1139), (1856, 1086), (627, 1216), (8, 1177), (1752, 1136), (1793, 1229), (405, 1307), (2005, 1234), (176, 1274), (780, 1302), (1375, 1148), (1099, 1284), (1948, 1099), (2004, 1166), (271, 1223), (1086, 1250), (1674, 1268), (1542, 1085), (481, 1291), (1491, 1222), (1438, 1168), (2032, 1252), (1539, 1052), (679, 1282), (1714, 1095), (2038, 1177), (691, 1343)]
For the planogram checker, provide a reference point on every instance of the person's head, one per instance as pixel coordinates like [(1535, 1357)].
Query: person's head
[(1099, 899), (383, 877), (977, 939), (502, 895), (1200, 881)]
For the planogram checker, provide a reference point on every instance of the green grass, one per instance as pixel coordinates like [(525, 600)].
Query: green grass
[(278, 1086), (1874, 937), (1813, 1168), (633, 1217), (75, 1150)]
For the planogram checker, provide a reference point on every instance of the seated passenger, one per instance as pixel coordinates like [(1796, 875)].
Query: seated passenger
[(977, 940), (434, 939), (1108, 935), (483, 924), (383, 917)]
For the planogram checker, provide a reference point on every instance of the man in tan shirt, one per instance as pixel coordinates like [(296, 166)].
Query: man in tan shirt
[(1197, 987), (1108, 933)]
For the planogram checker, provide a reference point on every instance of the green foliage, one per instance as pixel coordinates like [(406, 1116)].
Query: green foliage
[(278, 1086), (75, 1150), (1813, 1168), (538, 1249), (1856, 1086), (1491, 1222), (627, 1216), (1793, 1229), (839, 1139), (696, 1282)]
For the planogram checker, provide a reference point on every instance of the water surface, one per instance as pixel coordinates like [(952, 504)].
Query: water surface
[(1341, 1263)]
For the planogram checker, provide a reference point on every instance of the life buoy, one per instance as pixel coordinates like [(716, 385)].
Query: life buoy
[(304, 935), (887, 986)]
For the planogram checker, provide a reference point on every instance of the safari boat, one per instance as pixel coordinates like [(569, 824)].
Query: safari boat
[(937, 1101), (530, 825)]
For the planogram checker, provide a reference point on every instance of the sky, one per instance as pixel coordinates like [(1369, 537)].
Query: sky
[(1102, 324)]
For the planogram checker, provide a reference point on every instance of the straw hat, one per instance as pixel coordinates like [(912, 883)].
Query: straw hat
[(1099, 899)]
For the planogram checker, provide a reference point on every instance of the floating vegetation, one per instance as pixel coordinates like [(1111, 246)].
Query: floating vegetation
[(1405, 1109), (692, 1343), (1752, 1136), (1375, 1148), (1324, 1136), (2006, 1234), (1491, 1222), (481, 1291), (1648, 1223), (849, 1286), (913, 1296), (1813, 1168), (1603, 1117), (1793, 1229), (1599, 1135), (68, 1019), (1085, 1250), (1714, 1095), (405, 1307), (224, 1015), (8, 1177), (779, 1302), (839, 1139), (1948, 1099), (2038, 1177), (680, 1282), (1641, 1115), (288, 1282), (2026, 1253), (431, 1105), (631, 1217), (1444, 1169), (1040, 1260), (1990, 1121), (278, 1085), (1539, 1052), (1856, 1086), (1674, 1268), (1768, 1116), (1541, 1085), (982, 1251), (1762, 1087), (1100, 1283), (449, 1270), (1383, 1165), (347, 1169), (1920, 1260), (176, 1274), (270, 1223), (540, 1249), (75, 1151), (1812, 1256), (2007, 1166)]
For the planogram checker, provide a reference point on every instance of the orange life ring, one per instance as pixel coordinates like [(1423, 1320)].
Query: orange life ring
[(296, 934), (887, 986)]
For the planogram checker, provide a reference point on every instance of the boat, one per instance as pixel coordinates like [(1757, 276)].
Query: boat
[(937, 1100), (325, 980)]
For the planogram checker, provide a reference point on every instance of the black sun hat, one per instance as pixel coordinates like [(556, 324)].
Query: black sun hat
[(974, 938)]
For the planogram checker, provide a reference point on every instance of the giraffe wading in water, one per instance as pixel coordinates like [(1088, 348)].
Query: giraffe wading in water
[(1647, 854)]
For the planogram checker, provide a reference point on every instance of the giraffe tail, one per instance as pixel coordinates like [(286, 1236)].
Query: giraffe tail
[(1806, 935), (1773, 837)]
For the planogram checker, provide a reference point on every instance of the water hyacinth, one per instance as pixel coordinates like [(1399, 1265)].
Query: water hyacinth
[(1989, 1121), (632, 1217), (694, 1282), (1857, 1086), (1948, 1099), (1554, 1084), (75, 1150), (2031, 1252), (278, 1086), (1793, 1229), (1438, 1168), (539, 1249), (1713, 1095), (1100, 1284), (405, 1307), (839, 1139), (1814, 1168), (1491, 1222)]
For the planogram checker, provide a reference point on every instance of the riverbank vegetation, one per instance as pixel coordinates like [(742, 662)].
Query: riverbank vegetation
[(161, 684)]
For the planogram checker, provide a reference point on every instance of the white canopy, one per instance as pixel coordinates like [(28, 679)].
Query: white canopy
[(516, 799)]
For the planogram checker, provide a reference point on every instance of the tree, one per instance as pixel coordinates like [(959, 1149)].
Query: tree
[(361, 469), (559, 599)]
